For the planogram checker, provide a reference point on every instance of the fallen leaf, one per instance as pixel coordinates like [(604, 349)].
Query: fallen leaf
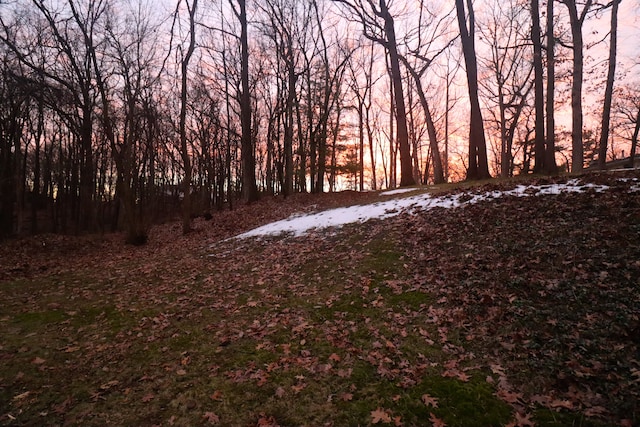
[(435, 421), (380, 416), (564, 404), (509, 396), (429, 401), (524, 420), (298, 388), (148, 397), (211, 418), (265, 421), (463, 377), (38, 361), (110, 384), (217, 395), (346, 397), (22, 395)]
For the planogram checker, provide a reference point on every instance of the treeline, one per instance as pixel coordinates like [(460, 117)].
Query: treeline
[(118, 114)]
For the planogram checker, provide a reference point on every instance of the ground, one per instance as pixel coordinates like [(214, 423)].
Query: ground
[(508, 311)]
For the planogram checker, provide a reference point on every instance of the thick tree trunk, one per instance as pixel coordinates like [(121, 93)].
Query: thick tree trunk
[(86, 212), (406, 167), (577, 156), (249, 186), (478, 162), (288, 129)]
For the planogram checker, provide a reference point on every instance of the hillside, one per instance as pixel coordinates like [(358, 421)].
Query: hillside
[(506, 311)]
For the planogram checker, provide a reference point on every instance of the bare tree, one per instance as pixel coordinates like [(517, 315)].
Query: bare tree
[(576, 19), (70, 76), (550, 145), (608, 95), (627, 113), (249, 184), (510, 65), (427, 49), (478, 167), (287, 24), (13, 107), (131, 113), (538, 79), (182, 124), (369, 14)]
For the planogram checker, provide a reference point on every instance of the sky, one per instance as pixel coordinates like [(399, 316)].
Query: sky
[(409, 200)]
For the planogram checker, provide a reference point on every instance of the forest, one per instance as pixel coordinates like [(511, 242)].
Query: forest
[(116, 115)]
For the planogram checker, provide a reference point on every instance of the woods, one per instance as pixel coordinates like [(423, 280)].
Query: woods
[(116, 115)]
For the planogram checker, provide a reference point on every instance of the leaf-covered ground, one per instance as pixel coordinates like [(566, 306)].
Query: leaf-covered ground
[(516, 311)]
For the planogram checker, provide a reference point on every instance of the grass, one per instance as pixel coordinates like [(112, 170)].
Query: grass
[(325, 329), (164, 362)]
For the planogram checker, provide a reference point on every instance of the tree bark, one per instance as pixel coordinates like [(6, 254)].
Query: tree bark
[(634, 142), (438, 172), (478, 162), (550, 146), (249, 185), (402, 133), (577, 20), (608, 94), (540, 156), (184, 149)]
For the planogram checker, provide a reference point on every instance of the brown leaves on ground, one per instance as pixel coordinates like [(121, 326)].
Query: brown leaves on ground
[(539, 295), (547, 288), (380, 415), (429, 401), (47, 254)]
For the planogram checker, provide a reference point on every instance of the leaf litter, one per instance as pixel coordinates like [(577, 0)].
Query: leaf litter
[(530, 303)]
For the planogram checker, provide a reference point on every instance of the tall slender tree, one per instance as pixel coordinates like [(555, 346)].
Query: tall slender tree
[(576, 19), (538, 79), (608, 94), (249, 184), (550, 145), (184, 148)]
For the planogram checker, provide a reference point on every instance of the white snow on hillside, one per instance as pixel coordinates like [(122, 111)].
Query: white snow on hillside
[(299, 224)]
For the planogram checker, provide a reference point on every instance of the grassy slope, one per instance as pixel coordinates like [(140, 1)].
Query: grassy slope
[(512, 311)]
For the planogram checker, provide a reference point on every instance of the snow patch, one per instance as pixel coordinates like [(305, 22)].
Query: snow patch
[(298, 225), (398, 191)]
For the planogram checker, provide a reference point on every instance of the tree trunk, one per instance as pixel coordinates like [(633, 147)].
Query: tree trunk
[(249, 186), (608, 94), (478, 162), (577, 156), (634, 142), (360, 143), (406, 168), (184, 150), (438, 173), (540, 156), (86, 213), (288, 126), (550, 148)]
